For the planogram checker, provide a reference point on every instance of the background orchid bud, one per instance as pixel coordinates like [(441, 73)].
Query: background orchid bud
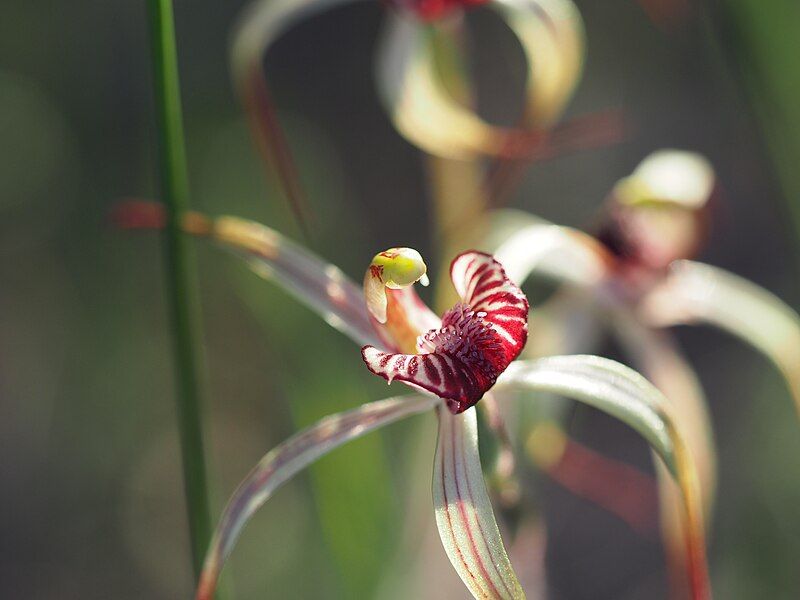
[(658, 214)]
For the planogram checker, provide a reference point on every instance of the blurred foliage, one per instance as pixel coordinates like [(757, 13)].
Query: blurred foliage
[(763, 40)]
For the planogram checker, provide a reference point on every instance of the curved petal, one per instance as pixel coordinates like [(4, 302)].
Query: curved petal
[(478, 339), (551, 36), (320, 285), (285, 461), (482, 283), (695, 293), (464, 512), (656, 357), (626, 395), (526, 245)]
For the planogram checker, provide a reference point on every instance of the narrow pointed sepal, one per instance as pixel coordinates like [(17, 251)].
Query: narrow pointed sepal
[(289, 458), (656, 356), (464, 514), (323, 287)]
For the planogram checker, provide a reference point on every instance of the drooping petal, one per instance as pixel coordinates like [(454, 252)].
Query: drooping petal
[(477, 340), (320, 285), (464, 512), (654, 354), (527, 245), (626, 395), (285, 461), (694, 293)]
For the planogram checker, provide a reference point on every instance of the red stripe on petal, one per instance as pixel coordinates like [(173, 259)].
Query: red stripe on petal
[(484, 287), (477, 339), (464, 514)]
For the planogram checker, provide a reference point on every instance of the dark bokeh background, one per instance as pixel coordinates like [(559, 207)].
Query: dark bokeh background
[(91, 503)]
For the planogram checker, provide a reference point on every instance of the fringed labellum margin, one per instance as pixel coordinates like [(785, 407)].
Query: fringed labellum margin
[(478, 338)]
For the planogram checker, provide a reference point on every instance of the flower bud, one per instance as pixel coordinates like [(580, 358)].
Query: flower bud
[(658, 213)]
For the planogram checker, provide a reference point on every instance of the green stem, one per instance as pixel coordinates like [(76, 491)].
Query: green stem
[(182, 294)]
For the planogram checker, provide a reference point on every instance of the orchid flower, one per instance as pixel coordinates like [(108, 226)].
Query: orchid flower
[(451, 362), (636, 278), (549, 32)]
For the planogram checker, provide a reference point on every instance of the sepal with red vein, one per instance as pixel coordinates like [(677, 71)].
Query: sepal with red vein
[(464, 515), (286, 460)]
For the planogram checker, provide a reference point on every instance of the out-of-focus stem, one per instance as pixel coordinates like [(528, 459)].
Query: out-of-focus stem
[(182, 294)]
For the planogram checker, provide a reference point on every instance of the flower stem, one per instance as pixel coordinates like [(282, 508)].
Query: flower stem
[(182, 295)]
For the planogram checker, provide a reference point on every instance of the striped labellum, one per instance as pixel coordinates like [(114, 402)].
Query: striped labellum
[(478, 338)]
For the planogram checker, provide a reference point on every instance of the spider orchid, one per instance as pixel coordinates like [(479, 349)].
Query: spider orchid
[(636, 278), (451, 362), (640, 261), (411, 86)]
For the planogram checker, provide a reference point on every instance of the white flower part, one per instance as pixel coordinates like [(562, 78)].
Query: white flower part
[(395, 269), (464, 514), (674, 176)]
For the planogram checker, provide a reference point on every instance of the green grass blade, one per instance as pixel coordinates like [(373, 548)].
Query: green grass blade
[(182, 295)]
